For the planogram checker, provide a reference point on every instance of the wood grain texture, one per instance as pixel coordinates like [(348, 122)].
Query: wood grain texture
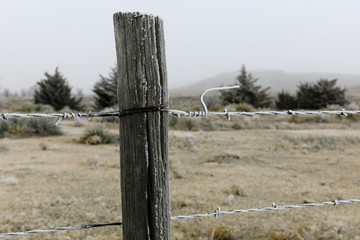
[(142, 83)]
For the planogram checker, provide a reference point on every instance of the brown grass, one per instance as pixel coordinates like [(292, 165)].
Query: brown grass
[(54, 181)]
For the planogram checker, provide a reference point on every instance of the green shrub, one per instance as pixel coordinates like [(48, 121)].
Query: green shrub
[(316, 143), (183, 123), (353, 117), (189, 124), (216, 108), (173, 121), (42, 127), (98, 135), (241, 107), (222, 233), (309, 119), (4, 127), (29, 127), (34, 108)]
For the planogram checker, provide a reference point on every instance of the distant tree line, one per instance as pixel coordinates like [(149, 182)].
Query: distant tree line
[(308, 95), (54, 90)]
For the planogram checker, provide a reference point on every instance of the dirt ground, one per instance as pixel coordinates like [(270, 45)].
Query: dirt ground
[(55, 181)]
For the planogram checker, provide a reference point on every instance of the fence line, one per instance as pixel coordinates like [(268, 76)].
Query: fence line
[(179, 113), (174, 112), (217, 213)]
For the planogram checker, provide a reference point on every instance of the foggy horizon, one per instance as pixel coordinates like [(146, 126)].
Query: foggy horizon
[(202, 38)]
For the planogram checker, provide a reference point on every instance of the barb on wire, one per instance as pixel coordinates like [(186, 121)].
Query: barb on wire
[(213, 89), (274, 207), (76, 227)]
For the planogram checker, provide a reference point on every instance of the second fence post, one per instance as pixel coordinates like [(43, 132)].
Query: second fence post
[(143, 104)]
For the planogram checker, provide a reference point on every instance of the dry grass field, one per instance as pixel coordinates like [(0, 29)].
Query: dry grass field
[(56, 181)]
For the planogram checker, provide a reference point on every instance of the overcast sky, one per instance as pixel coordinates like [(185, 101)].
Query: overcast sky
[(202, 37)]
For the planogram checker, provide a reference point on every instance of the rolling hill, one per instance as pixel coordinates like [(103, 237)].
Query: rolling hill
[(275, 79)]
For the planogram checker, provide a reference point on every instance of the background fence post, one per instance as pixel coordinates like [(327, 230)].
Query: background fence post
[(142, 94)]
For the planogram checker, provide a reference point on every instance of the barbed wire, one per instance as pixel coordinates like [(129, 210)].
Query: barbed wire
[(227, 114), (178, 113), (60, 116), (274, 207), (217, 213), (174, 112), (76, 227)]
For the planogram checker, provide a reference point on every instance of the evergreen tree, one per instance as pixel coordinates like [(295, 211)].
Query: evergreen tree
[(248, 92), (316, 96), (106, 90), (55, 91)]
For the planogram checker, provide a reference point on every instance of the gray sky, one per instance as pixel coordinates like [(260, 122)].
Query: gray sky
[(203, 38)]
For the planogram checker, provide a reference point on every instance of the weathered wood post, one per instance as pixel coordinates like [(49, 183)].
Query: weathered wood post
[(143, 101)]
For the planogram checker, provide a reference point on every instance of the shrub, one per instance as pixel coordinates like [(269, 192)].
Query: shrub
[(173, 120), (4, 127), (38, 108), (316, 143), (186, 124), (29, 127), (241, 107), (42, 127), (353, 117), (216, 108), (309, 119), (222, 233), (98, 135)]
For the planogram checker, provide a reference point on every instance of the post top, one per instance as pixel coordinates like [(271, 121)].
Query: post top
[(134, 14)]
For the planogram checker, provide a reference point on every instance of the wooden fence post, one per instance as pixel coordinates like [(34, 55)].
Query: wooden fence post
[(142, 96)]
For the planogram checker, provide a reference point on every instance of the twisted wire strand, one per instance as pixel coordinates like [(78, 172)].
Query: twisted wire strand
[(174, 112), (273, 208), (60, 116), (227, 114), (76, 227)]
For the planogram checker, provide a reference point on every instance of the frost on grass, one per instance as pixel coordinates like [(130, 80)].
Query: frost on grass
[(320, 142), (10, 180)]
